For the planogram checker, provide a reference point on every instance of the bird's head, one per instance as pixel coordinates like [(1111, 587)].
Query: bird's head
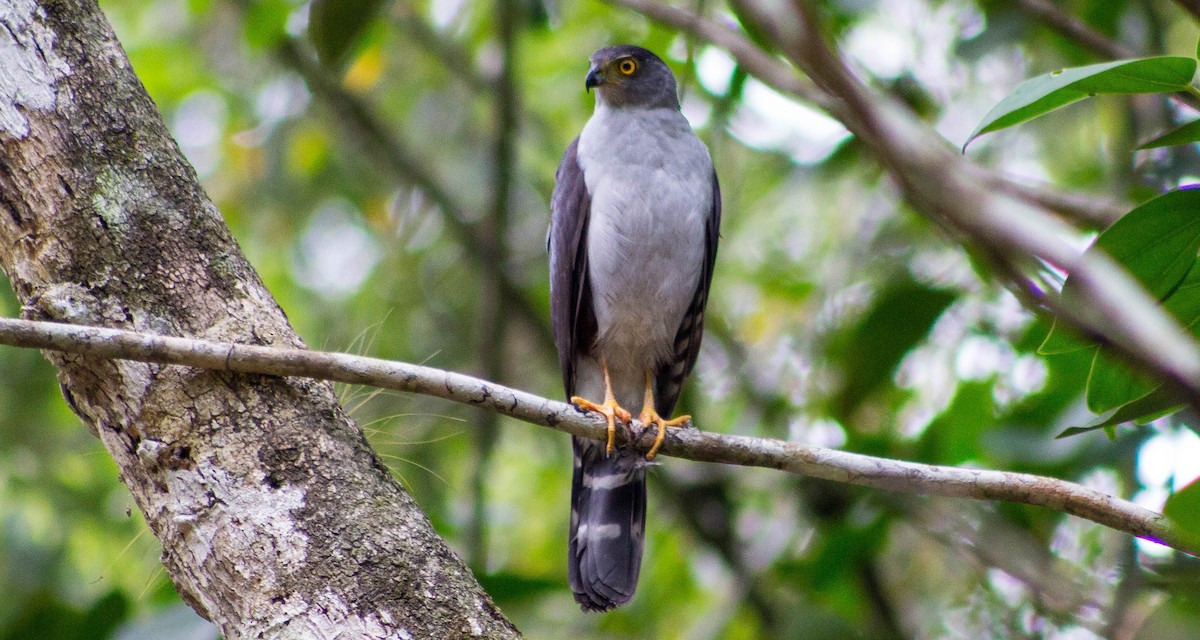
[(629, 76)]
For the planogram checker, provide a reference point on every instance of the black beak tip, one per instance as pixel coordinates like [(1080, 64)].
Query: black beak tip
[(593, 79)]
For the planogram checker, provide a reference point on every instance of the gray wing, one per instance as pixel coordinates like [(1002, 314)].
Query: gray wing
[(571, 313), (670, 375)]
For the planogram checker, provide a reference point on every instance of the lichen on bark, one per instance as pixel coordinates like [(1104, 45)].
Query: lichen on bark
[(277, 519)]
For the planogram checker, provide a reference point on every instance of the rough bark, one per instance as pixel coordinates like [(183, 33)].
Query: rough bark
[(276, 518)]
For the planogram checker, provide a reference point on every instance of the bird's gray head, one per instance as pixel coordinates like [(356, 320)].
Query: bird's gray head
[(629, 76)]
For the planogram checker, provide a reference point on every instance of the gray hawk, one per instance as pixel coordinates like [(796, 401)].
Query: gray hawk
[(633, 238)]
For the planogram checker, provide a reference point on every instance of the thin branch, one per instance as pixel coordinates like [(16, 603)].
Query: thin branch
[(944, 186), (1087, 210), (776, 73), (816, 462), (494, 307), (1191, 6), (1075, 29), (1088, 38), (395, 156)]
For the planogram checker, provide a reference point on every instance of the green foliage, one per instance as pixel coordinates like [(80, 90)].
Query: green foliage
[(1183, 508), (871, 349), (1157, 243), (334, 26), (45, 617), (1185, 134), (1144, 409), (1050, 91), (838, 317)]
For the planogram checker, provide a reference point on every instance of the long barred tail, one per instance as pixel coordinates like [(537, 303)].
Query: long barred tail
[(608, 522)]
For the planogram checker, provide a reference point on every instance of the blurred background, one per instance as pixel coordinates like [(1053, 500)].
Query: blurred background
[(395, 201)]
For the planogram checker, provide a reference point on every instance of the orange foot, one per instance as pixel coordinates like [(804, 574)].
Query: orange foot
[(611, 412), (650, 417)]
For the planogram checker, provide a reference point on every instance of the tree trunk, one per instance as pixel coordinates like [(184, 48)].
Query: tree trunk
[(276, 518)]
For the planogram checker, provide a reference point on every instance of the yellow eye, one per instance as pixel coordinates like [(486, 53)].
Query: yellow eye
[(627, 66)]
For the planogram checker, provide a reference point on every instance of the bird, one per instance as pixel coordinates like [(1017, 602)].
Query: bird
[(634, 225)]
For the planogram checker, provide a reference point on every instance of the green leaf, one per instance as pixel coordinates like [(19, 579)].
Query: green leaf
[(1148, 408), (1183, 508), (1063, 339), (1185, 134), (1184, 301), (335, 25), (265, 22), (1112, 383), (1184, 305), (954, 436), (1156, 243), (870, 351), (1045, 93)]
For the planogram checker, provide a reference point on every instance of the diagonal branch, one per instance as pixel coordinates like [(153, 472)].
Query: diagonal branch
[(946, 188), (357, 117), (1085, 36), (1081, 32), (776, 73), (960, 196), (816, 462), (1191, 6)]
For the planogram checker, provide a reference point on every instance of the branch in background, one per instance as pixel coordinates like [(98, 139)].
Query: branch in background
[(944, 186), (776, 73), (1085, 36), (816, 462), (1191, 6), (1087, 210), (1075, 29), (493, 305), (398, 159), (990, 540), (767, 68), (455, 59), (940, 183)]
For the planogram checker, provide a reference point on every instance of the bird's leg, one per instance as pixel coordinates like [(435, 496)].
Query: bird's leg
[(650, 416), (609, 408)]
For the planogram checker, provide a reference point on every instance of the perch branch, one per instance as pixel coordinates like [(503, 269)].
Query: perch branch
[(804, 460)]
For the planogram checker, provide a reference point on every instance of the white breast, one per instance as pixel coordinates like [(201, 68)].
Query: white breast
[(650, 180)]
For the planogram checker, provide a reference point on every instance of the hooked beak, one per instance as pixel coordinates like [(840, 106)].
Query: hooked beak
[(594, 79)]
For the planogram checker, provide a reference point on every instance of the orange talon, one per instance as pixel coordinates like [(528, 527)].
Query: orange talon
[(609, 408), (649, 416)]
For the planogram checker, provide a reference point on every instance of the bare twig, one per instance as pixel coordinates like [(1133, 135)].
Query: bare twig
[(1087, 210), (944, 186), (1191, 6), (1088, 38), (493, 305), (1075, 29), (776, 73), (816, 462), (398, 159)]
